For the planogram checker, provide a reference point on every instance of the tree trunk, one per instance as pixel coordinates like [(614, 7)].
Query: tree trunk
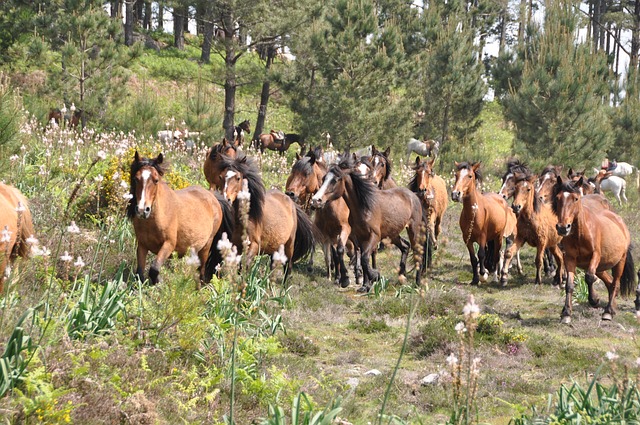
[(115, 8), (264, 94), (523, 17), (635, 40), (137, 11), (128, 24), (503, 29), (207, 41), (230, 76), (160, 15), (596, 24), (147, 15), (178, 28)]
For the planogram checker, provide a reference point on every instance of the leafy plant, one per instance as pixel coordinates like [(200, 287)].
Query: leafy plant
[(303, 412), (16, 358)]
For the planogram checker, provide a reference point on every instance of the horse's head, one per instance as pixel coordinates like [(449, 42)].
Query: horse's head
[(524, 194), (508, 179), (232, 183), (380, 165), (546, 181), (466, 177), (305, 178), (145, 178), (245, 125), (334, 182), (566, 203), (421, 181)]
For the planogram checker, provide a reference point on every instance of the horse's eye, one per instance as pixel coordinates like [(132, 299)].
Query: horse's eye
[(469, 176)]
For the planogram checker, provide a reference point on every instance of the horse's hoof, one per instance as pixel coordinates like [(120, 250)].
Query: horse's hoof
[(607, 316), (484, 277), (565, 320), (344, 283), (475, 282), (594, 303), (363, 290), (503, 281), (309, 269)]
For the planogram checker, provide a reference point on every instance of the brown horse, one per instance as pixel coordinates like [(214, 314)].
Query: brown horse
[(432, 192), (211, 167), (17, 227), (536, 226), (273, 218), (575, 176), (305, 178), (240, 131), (381, 168), (275, 141), (596, 240), (546, 181), (374, 215), (485, 219), (55, 114), (164, 219)]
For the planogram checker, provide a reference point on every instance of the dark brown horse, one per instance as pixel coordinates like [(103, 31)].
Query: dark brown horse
[(274, 219), (485, 219), (240, 131), (213, 162), (275, 141), (55, 115), (305, 178), (374, 215), (167, 221), (596, 240), (546, 180), (536, 226), (381, 168), (17, 227), (431, 189)]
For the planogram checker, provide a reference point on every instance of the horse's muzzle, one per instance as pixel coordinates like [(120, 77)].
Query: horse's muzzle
[(316, 204), (293, 196), (456, 196), (145, 213), (516, 208), (563, 230)]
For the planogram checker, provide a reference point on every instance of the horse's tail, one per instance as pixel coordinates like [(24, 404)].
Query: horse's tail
[(227, 226), (628, 279), (306, 233)]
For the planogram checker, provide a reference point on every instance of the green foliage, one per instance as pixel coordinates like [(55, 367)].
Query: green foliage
[(40, 400), (18, 353), (299, 344), (304, 412), (369, 325), (438, 333), (10, 116)]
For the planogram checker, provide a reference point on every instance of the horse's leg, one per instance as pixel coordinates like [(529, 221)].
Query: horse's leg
[(539, 260), (590, 278), (370, 274), (624, 192), (341, 270), (549, 265), (613, 286), (310, 263), (163, 254), (482, 253), (508, 256), (141, 255), (557, 253), (403, 246), (474, 263), (570, 264)]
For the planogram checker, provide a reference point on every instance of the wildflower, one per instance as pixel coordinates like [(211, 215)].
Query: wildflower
[(471, 309), (102, 154), (638, 362), (244, 193), (73, 228), (192, 259), (98, 178), (5, 235), (40, 251), (224, 243), (66, 257), (127, 196), (14, 158), (452, 360), (116, 175), (31, 240), (460, 328), (124, 185), (79, 263), (20, 208), (279, 256), (611, 355)]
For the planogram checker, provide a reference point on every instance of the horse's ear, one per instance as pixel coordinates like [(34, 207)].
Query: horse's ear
[(387, 151), (136, 157), (476, 165), (559, 181), (570, 172), (417, 161), (298, 156), (580, 182), (456, 163), (224, 142), (431, 162), (312, 158), (354, 156), (374, 150), (159, 159)]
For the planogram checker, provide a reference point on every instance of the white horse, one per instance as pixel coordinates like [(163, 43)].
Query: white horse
[(426, 148), (605, 181)]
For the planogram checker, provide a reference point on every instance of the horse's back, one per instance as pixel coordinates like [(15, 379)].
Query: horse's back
[(278, 223), (611, 234), (198, 218), (398, 208), (440, 194), (10, 199), (500, 219)]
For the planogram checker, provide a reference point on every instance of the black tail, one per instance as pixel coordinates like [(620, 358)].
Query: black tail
[(489, 263), (628, 279), (305, 235), (227, 226)]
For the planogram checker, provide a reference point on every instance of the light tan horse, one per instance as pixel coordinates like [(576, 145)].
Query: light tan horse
[(432, 192), (167, 220), (16, 226), (485, 219)]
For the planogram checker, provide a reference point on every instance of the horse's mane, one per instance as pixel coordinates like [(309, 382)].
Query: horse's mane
[(304, 165), (136, 166), (364, 188), (465, 165), (219, 148), (247, 167), (514, 165), (537, 202), (550, 169), (387, 173), (565, 186)]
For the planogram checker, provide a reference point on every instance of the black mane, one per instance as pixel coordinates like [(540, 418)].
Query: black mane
[(220, 149), (565, 186), (245, 166), (304, 165), (135, 167), (514, 165), (364, 188)]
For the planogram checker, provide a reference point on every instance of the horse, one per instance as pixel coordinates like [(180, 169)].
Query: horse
[(212, 163), (536, 225), (619, 169), (55, 114), (381, 171), (606, 181), (374, 215), (596, 240), (17, 224), (431, 189), (422, 148), (164, 219), (546, 181), (74, 119), (275, 141), (240, 130), (575, 176), (273, 218), (332, 220), (485, 219)]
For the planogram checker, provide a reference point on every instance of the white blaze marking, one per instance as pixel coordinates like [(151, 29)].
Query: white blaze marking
[(327, 180), (145, 178), (565, 195), (463, 173), (505, 182), (546, 177), (230, 174), (376, 160), (363, 169)]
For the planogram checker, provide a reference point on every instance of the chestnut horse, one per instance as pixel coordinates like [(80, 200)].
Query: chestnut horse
[(546, 181), (431, 189), (273, 218), (167, 220), (212, 163), (374, 215), (485, 219), (17, 227), (596, 240), (536, 226), (271, 141), (332, 220)]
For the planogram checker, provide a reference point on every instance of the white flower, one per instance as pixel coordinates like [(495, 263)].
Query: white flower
[(102, 154), (20, 207), (124, 185), (452, 360), (279, 256), (98, 178), (192, 259), (127, 196), (460, 328), (31, 240), (224, 243), (5, 235), (244, 193), (79, 263), (116, 176), (471, 309), (611, 355), (73, 228), (66, 257), (40, 252), (14, 158)]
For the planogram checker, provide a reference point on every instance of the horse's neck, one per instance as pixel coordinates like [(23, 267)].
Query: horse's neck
[(352, 199), (470, 201)]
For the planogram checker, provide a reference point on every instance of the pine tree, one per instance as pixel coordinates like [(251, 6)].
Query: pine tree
[(559, 106)]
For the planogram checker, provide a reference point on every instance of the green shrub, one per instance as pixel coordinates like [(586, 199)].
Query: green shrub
[(299, 344), (369, 325), (436, 334)]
